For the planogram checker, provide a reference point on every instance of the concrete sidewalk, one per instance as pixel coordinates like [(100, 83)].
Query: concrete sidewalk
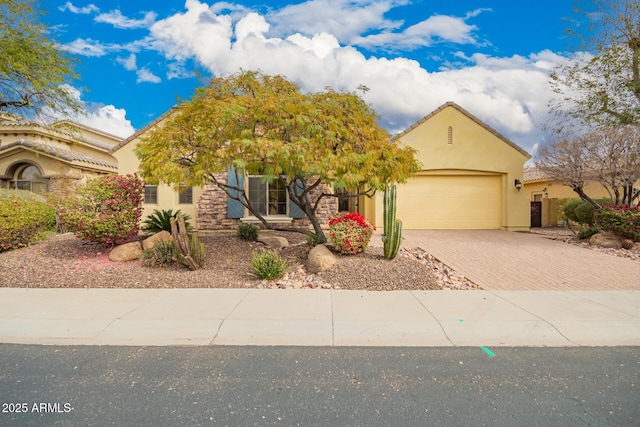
[(318, 317)]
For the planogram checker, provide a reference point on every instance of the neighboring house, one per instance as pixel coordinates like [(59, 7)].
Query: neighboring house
[(467, 182), (54, 158), (468, 176), (210, 206), (545, 193)]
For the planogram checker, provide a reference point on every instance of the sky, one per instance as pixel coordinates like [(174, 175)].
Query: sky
[(138, 58)]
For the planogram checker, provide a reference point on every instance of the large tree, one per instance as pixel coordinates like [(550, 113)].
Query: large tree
[(34, 70), (600, 85), (255, 124), (609, 156)]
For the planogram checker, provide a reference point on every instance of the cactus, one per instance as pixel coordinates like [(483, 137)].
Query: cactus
[(392, 226), (189, 251), (627, 244)]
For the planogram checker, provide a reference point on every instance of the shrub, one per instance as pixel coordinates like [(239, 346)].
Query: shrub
[(161, 221), (350, 232), (268, 265), (577, 210), (586, 233), (107, 209), (248, 232), (161, 254), (314, 240), (23, 221), (622, 220)]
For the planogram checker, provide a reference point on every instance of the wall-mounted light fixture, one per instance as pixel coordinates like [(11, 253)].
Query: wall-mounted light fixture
[(518, 184)]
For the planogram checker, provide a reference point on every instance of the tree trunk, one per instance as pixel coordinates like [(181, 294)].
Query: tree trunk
[(586, 198)]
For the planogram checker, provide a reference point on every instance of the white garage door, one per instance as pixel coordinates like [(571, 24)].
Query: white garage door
[(450, 202)]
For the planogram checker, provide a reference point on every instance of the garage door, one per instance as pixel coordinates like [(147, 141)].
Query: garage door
[(450, 202)]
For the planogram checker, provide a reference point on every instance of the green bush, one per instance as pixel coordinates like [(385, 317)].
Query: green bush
[(623, 221), (248, 232), (268, 265), (161, 220), (350, 232), (23, 221), (577, 210), (314, 240), (7, 193), (586, 233), (107, 209), (161, 254)]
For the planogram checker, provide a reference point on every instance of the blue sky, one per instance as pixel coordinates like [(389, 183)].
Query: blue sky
[(492, 57)]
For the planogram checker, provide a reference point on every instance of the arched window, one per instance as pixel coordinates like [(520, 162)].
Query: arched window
[(28, 177)]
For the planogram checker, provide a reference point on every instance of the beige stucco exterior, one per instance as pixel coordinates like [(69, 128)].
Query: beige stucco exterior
[(64, 154), (467, 177)]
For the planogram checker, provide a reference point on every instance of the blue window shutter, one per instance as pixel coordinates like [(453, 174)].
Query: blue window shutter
[(294, 210), (235, 209)]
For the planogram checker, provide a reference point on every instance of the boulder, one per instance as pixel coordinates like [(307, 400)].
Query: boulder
[(151, 241), (274, 242), (126, 252), (320, 259), (605, 240)]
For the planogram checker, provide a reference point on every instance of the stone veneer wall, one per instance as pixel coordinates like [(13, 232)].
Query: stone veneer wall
[(211, 210)]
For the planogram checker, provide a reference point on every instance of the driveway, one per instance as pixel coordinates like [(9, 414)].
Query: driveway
[(497, 259)]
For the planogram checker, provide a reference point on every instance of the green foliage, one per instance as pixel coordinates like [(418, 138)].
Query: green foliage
[(586, 233), (6, 193), (350, 232), (392, 227), (265, 125), (248, 232), (622, 220), (161, 221), (23, 221), (161, 254), (34, 69), (189, 250), (313, 239), (577, 210), (107, 209), (268, 265)]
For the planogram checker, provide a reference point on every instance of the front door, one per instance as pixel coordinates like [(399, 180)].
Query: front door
[(536, 214)]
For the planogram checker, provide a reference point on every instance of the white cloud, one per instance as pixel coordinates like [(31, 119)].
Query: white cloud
[(89, 47), (129, 63), (79, 10), (118, 20), (146, 76)]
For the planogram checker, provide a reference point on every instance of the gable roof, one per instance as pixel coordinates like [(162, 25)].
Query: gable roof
[(142, 130), (469, 115)]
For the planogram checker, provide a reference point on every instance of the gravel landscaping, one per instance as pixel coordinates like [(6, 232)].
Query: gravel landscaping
[(62, 261)]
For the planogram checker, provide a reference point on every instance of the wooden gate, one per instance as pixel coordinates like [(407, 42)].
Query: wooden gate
[(536, 214)]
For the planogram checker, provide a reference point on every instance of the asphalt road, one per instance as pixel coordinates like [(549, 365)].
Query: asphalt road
[(247, 386)]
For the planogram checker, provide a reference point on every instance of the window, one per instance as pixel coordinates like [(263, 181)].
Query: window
[(151, 194), (185, 195), (450, 135), (29, 178), (268, 198)]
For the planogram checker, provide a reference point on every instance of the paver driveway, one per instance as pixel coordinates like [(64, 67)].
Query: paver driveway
[(496, 259)]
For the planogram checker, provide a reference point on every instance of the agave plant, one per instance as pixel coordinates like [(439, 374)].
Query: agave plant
[(161, 220)]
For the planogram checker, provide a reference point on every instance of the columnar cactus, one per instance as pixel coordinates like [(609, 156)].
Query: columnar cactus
[(189, 251), (392, 226)]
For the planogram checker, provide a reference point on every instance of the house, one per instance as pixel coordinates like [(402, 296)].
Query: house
[(52, 158), (467, 182), (545, 195), (470, 178)]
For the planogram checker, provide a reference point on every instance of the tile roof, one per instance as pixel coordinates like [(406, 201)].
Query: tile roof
[(534, 173), (64, 154)]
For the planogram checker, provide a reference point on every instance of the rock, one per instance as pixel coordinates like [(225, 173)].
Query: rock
[(151, 241), (320, 259), (274, 242), (126, 252), (605, 240)]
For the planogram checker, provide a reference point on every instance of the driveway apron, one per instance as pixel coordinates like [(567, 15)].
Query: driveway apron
[(504, 260)]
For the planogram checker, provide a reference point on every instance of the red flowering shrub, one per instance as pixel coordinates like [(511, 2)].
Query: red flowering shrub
[(621, 220), (107, 209), (350, 232)]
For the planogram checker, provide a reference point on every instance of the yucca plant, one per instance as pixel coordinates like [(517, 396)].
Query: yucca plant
[(161, 254), (160, 220)]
